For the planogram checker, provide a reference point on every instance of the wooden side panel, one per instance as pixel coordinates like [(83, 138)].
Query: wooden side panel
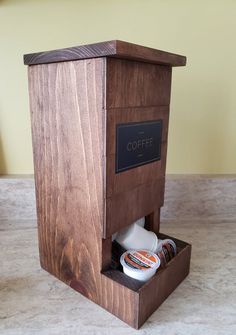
[(68, 122), (120, 301), (137, 84)]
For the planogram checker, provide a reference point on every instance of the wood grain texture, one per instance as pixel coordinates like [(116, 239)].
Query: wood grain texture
[(150, 55), (68, 129), (114, 48), (136, 92), (128, 115), (75, 106), (127, 180), (159, 287), (150, 295), (137, 84), (68, 138), (127, 207), (152, 221)]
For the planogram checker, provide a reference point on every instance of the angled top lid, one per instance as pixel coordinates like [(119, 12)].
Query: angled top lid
[(115, 48)]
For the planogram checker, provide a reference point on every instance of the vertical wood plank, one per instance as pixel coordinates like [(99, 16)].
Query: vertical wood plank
[(68, 135), (68, 128)]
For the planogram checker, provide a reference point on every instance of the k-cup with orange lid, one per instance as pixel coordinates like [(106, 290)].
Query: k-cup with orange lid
[(140, 264)]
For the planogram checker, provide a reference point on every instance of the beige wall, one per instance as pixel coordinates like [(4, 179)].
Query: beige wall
[(203, 114)]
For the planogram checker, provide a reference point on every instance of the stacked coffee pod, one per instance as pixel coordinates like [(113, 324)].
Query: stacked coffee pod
[(145, 253)]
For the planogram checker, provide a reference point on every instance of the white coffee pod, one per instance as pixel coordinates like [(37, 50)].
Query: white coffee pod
[(140, 264), (137, 237), (141, 222), (114, 236)]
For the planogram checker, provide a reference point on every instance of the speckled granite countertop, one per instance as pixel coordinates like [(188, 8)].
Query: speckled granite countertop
[(34, 302)]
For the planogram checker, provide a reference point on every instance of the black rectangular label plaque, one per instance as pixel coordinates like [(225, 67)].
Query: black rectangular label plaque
[(137, 143)]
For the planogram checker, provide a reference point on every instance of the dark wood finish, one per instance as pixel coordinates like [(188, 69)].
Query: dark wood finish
[(123, 279), (115, 48), (150, 55), (125, 208), (150, 295), (68, 135), (152, 221), (136, 285), (159, 287), (136, 92), (130, 179), (75, 107), (135, 114), (136, 84), (106, 253)]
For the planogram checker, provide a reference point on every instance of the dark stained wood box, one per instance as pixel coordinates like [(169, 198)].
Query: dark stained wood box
[(78, 98)]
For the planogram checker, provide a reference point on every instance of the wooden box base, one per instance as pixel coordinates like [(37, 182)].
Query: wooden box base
[(140, 300)]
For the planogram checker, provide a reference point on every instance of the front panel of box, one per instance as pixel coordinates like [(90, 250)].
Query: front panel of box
[(137, 100)]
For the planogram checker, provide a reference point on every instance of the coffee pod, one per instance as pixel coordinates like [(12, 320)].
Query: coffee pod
[(140, 222), (170, 246), (137, 237), (166, 251), (140, 264), (114, 236)]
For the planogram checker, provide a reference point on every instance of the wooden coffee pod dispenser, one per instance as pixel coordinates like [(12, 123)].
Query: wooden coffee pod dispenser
[(99, 118)]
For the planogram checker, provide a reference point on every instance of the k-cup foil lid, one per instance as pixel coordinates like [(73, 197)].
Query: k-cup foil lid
[(140, 264)]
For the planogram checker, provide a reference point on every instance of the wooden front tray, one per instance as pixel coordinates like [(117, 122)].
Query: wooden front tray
[(150, 295)]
